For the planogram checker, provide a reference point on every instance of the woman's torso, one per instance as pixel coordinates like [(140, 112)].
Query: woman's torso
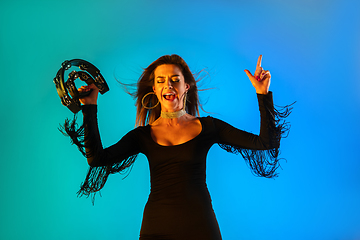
[(179, 204)]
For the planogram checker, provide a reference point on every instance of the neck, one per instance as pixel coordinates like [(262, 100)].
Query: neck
[(176, 114)]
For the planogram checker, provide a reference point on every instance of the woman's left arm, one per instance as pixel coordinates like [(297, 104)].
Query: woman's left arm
[(260, 151), (268, 137)]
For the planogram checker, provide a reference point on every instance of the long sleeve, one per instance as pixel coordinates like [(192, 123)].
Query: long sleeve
[(103, 162), (260, 151), (98, 156)]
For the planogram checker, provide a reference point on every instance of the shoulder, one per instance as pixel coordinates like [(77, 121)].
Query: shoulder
[(217, 126), (209, 120), (138, 132), (213, 128), (212, 124)]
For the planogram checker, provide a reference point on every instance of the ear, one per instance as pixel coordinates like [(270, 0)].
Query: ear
[(153, 88), (187, 86)]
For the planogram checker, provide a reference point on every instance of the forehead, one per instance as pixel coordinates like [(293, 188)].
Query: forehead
[(167, 69)]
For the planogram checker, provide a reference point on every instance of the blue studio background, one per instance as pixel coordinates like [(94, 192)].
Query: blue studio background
[(312, 49)]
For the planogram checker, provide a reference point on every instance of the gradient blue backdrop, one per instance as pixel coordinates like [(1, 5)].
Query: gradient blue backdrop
[(312, 49)]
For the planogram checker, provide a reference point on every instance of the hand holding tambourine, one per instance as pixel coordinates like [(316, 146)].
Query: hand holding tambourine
[(91, 98)]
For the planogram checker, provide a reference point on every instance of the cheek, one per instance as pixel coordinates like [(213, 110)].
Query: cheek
[(156, 88), (157, 91), (185, 87)]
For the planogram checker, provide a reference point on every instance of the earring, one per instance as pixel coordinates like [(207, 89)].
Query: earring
[(184, 106), (146, 107)]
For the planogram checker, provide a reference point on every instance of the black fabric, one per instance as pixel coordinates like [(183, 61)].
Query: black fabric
[(179, 204)]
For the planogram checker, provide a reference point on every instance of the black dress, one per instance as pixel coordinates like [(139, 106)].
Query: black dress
[(179, 204)]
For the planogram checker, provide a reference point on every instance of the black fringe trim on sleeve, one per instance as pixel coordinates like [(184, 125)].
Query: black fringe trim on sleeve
[(264, 163), (96, 176), (76, 133)]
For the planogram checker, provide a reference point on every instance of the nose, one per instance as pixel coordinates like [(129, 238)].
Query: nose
[(169, 83)]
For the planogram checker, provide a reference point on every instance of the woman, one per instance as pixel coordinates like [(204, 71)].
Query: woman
[(176, 143)]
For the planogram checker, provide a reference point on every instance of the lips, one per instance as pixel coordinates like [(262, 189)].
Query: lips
[(169, 96)]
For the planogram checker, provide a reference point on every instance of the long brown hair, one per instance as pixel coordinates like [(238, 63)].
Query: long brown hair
[(145, 85)]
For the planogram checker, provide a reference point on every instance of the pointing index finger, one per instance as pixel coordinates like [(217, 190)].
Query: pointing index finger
[(259, 62)]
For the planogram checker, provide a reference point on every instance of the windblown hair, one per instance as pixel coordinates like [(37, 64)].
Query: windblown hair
[(145, 85)]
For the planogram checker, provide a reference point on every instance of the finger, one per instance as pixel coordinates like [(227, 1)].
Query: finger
[(84, 87), (93, 86), (264, 72), (258, 72), (251, 77), (258, 69), (248, 73), (258, 65), (265, 75)]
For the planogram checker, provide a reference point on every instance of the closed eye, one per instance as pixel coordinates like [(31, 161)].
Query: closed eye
[(174, 78), (160, 79)]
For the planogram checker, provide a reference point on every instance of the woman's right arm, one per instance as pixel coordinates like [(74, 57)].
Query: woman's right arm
[(95, 153)]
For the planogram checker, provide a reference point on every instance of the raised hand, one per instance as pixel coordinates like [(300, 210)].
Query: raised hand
[(261, 78)]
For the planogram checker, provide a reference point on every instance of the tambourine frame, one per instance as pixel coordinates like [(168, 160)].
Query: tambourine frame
[(67, 90)]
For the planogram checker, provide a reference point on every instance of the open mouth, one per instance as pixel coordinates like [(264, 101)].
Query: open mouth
[(169, 96)]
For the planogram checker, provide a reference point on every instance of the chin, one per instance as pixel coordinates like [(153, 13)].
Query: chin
[(171, 107)]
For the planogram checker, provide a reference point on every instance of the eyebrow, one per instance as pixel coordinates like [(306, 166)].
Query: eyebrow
[(176, 75)]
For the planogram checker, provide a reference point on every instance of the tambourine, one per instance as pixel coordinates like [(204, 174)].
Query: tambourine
[(67, 90)]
